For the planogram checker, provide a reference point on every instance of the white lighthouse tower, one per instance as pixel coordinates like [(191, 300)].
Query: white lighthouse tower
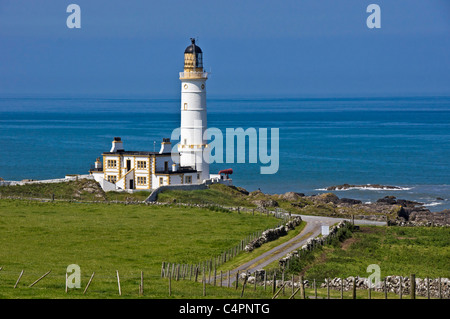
[(193, 145)]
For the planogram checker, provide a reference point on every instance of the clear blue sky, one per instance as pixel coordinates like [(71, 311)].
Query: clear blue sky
[(296, 48)]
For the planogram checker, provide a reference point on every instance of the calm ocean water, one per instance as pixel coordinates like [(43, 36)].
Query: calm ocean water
[(392, 141)]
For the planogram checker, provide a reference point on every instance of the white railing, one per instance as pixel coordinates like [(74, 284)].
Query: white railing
[(194, 75)]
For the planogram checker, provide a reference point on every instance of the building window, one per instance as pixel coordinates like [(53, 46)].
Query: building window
[(141, 164), (112, 178), (142, 180), (185, 106), (198, 176), (111, 164), (188, 179), (161, 181)]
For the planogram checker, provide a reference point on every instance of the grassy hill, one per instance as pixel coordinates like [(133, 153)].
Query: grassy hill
[(401, 251), (38, 237)]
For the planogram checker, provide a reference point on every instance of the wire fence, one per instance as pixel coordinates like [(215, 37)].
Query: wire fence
[(271, 284)]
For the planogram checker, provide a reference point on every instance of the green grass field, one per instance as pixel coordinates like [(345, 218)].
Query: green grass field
[(423, 251), (103, 238)]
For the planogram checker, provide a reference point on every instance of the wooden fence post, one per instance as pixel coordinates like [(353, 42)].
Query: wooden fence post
[(243, 286), (196, 273), (385, 289), (274, 283), (204, 283), (162, 269), (89, 282), (428, 288), (413, 286), (342, 288), (315, 289), (265, 280), (277, 293), (328, 288), (292, 280), (302, 288), (20, 276), (141, 287), (118, 282), (39, 278), (354, 288), (170, 284)]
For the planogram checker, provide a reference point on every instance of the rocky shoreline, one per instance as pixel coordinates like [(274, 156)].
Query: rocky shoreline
[(394, 211)]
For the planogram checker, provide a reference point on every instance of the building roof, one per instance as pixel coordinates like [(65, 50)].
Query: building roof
[(142, 153)]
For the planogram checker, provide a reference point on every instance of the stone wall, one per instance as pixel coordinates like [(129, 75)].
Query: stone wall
[(314, 242), (393, 285), (273, 234)]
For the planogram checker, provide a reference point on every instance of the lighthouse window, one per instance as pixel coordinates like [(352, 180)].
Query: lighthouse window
[(185, 106), (112, 178), (142, 164), (141, 180), (188, 179), (111, 163), (199, 62)]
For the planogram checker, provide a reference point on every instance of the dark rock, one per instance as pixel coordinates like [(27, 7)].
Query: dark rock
[(292, 196), (242, 190), (349, 201), (391, 200), (408, 203), (327, 198), (265, 203)]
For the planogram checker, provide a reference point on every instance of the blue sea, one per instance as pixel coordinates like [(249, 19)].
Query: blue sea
[(396, 141)]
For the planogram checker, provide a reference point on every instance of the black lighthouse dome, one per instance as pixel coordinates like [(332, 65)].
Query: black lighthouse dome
[(193, 48)]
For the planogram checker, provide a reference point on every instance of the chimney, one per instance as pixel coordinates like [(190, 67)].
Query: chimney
[(166, 146), (117, 145)]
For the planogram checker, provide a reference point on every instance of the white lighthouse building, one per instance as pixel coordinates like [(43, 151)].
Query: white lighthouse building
[(189, 164), (193, 145)]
